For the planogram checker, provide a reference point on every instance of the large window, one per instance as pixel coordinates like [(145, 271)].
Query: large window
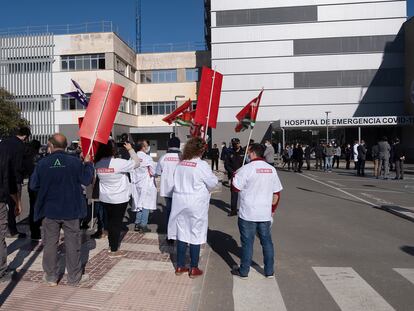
[(121, 66), (159, 76), (134, 107), (157, 108), (28, 64), (70, 103), (192, 74), (83, 62), (123, 104)]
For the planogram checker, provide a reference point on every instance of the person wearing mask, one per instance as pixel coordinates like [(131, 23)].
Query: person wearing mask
[(319, 156), (399, 158), (329, 153), (8, 188), (259, 187), (355, 154), (58, 181), (144, 189), (348, 155), (165, 168), (297, 158), (286, 157), (114, 188), (384, 157), (214, 156), (308, 152), (375, 158), (16, 146), (337, 156), (234, 160), (362, 154), (188, 224), (269, 153), (223, 152)]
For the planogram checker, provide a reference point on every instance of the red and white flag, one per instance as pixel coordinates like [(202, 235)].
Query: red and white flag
[(247, 116), (182, 115), (101, 112)]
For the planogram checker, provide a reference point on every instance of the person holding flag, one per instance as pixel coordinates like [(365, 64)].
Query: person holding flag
[(259, 188)]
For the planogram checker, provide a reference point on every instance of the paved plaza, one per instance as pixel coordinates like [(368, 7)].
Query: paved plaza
[(338, 247)]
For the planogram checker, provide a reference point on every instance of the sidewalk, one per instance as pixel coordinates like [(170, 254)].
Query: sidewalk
[(142, 280)]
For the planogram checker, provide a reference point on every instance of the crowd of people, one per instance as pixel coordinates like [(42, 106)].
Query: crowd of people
[(62, 182), (385, 157)]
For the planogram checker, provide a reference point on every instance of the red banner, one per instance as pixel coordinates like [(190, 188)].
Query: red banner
[(174, 115), (86, 143), (204, 94), (101, 112)]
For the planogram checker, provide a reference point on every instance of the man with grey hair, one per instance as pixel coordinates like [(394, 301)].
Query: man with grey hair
[(58, 179)]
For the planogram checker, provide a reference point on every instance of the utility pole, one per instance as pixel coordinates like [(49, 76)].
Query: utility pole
[(138, 26)]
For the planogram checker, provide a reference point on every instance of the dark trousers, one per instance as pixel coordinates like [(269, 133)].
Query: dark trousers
[(308, 164), (233, 200), (348, 162), (34, 225), (102, 219), (194, 254), (319, 163), (335, 159), (51, 233), (361, 167), (399, 169), (214, 161), (115, 214), (11, 217), (3, 231)]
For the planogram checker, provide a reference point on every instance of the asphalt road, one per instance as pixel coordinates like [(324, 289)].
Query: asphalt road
[(335, 249)]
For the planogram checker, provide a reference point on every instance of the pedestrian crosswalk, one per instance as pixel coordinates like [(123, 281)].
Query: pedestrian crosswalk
[(347, 288)]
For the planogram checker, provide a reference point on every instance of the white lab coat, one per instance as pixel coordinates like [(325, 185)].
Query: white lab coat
[(144, 189), (165, 168), (355, 152), (193, 181)]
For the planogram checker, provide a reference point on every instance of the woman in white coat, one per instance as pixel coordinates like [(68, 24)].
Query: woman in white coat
[(188, 223), (144, 189)]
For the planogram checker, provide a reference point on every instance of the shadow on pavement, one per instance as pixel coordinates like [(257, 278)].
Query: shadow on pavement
[(408, 249), (225, 207), (333, 196)]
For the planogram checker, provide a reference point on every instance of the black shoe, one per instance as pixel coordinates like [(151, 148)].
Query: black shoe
[(18, 235), (137, 228), (232, 213), (97, 235), (7, 276), (236, 272), (169, 242)]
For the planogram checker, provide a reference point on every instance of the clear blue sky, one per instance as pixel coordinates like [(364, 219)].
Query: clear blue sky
[(163, 21)]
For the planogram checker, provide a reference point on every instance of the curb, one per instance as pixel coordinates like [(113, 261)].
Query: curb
[(398, 211)]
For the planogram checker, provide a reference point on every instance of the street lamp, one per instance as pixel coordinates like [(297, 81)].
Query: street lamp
[(176, 104), (327, 126)]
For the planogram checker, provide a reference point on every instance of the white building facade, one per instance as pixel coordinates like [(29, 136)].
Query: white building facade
[(344, 57), (37, 70)]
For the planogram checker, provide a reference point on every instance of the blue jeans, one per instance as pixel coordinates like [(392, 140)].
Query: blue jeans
[(248, 231), (328, 163), (142, 217), (100, 213), (168, 203), (194, 254)]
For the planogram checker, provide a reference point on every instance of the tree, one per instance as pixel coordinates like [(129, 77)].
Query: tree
[(10, 117)]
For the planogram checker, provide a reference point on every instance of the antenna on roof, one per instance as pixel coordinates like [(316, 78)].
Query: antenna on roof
[(138, 26)]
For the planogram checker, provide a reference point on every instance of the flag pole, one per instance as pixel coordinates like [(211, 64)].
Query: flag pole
[(247, 147), (99, 119), (209, 104)]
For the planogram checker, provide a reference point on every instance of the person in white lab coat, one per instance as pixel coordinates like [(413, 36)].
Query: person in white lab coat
[(114, 188), (165, 168), (188, 223), (259, 186), (144, 189)]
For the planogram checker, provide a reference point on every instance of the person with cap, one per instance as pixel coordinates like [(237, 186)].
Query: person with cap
[(165, 168), (188, 224), (259, 188), (144, 189), (58, 180), (233, 161)]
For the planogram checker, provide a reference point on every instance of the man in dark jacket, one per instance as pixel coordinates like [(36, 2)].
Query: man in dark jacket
[(348, 155), (319, 156), (233, 161), (15, 145), (375, 158), (308, 152), (57, 180), (362, 156), (8, 187), (399, 157), (384, 156), (214, 156)]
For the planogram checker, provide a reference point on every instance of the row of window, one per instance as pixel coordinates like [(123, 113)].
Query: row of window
[(83, 62), (157, 108), (29, 66)]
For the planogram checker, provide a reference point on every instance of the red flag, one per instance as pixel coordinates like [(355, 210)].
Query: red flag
[(173, 116), (204, 94), (247, 116), (86, 142), (101, 112)]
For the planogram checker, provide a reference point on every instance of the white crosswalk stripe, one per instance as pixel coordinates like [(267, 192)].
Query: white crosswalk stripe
[(407, 273), (257, 291), (350, 291)]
